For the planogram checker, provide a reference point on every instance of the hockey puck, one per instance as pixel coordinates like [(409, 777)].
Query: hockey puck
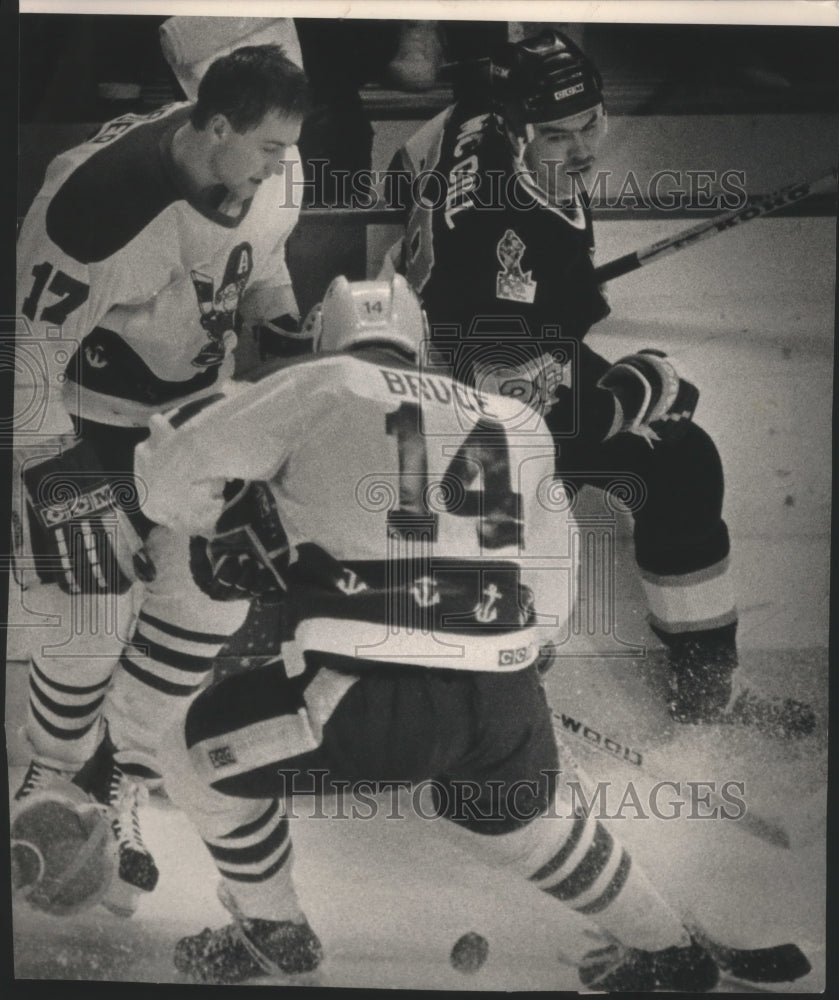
[(469, 952)]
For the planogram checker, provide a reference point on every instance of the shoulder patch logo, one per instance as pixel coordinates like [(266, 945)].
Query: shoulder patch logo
[(512, 283)]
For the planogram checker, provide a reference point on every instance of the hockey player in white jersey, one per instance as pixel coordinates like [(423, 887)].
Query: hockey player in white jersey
[(417, 596), (147, 251)]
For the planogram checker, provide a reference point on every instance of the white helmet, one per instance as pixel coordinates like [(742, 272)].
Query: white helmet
[(354, 312)]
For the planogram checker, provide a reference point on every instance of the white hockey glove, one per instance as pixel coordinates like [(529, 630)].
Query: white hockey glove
[(248, 552), (78, 532), (650, 398)]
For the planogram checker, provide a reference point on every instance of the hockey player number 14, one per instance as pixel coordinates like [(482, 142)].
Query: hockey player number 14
[(70, 292), (484, 454)]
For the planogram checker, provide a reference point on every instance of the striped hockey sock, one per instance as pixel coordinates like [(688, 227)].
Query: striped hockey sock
[(590, 871), (583, 865), (255, 862), (64, 708)]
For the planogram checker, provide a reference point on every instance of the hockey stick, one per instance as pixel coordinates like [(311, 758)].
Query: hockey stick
[(751, 822), (711, 227), (781, 963)]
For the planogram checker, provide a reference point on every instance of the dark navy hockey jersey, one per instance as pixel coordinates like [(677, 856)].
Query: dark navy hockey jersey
[(482, 241)]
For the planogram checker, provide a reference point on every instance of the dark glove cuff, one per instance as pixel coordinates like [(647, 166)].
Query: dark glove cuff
[(281, 338)]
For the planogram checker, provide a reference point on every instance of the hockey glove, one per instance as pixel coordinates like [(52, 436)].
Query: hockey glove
[(248, 552), (79, 533), (650, 398), (282, 338)]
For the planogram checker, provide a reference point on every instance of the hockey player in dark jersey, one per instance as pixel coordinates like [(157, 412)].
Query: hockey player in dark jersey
[(417, 599), (499, 244), (149, 248)]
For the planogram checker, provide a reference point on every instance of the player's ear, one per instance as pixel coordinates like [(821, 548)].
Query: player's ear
[(219, 126)]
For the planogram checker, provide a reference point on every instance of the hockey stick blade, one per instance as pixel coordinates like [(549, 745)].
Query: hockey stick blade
[(781, 963), (748, 968)]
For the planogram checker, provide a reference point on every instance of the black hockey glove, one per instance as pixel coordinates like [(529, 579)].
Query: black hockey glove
[(650, 398), (79, 534), (282, 338), (248, 552)]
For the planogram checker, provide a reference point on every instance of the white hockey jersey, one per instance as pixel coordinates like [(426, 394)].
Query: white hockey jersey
[(422, 515), (132, 293)]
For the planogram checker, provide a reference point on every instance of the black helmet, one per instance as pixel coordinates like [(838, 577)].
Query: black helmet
[(543, 78)]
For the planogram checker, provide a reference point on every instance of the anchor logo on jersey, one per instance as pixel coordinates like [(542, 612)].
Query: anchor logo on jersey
[(512, 283), (485, 611), (425, 592), (350, 583), (218, 308)]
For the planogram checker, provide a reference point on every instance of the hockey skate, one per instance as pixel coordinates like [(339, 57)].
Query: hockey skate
[(106, 782), (40, 776), (248, 948), (619, 969), (703, 689)]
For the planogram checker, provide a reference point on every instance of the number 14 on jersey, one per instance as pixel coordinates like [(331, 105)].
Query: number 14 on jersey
[(476, 484)]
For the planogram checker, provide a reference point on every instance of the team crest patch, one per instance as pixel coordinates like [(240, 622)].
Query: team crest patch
[(218, 306), (512, 283)]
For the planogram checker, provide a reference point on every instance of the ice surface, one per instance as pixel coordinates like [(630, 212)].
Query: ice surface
[(389, 897)]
